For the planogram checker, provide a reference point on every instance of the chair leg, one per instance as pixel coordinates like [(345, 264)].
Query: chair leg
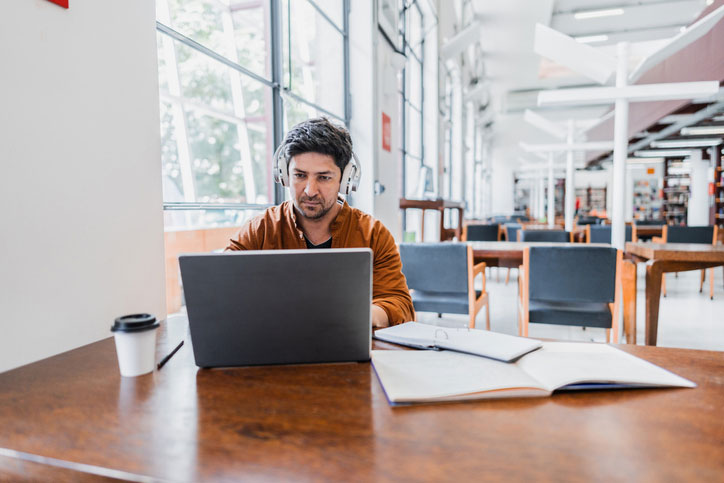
[(507, 277), (487, 313), (663, 284), (711, 283), (471, 324), (703, 277), (608, 336)]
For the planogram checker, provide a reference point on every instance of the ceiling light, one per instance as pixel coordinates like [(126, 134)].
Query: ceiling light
[(687, 143), (702, 130), (709, 2), (589, 39), (608, 12), (682, 29), (662, 153)]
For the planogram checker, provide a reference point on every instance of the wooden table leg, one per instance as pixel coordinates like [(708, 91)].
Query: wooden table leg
[(653, 296), (628, 282)]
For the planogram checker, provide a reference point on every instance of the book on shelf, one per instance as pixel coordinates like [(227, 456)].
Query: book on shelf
[(483, 343), (439, 376)]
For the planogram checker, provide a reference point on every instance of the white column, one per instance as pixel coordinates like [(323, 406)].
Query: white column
[(620, 152), (540, 212), (698, 209), (570, 181), (551, 193)]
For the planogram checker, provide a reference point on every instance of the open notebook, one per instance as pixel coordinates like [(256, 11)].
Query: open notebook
[(435, 376), (479, 342)]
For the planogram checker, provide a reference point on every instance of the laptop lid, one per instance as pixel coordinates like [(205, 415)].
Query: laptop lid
[(279, 306)]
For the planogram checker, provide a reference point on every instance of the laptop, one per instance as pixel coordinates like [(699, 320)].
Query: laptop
[(279, 306)]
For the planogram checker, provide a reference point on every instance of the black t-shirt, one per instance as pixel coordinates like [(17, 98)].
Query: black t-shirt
[(327, 244)]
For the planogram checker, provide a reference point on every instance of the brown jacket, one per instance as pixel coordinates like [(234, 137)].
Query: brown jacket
[(276, 229)]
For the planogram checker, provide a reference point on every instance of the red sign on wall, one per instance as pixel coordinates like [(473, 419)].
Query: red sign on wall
[(62, 3), (386, 132)]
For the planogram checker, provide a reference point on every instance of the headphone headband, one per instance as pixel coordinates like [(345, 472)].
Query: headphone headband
[(350, 175)]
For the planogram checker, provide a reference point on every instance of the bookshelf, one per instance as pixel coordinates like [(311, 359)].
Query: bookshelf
[(591, 199), (719, 187), (646, 201), (676, 191)]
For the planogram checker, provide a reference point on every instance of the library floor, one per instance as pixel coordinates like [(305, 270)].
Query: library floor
[(687, 318)]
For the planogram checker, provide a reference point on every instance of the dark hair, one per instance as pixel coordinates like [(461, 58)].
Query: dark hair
[(319, 136)]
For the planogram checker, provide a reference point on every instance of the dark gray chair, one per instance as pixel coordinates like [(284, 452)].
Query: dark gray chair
[(481, 232), (573, 285), (441, 277), (554, 236), (602, 233), (691, 234), (511, 231)]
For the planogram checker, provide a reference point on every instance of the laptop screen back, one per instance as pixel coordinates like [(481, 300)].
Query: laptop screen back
[(279, 306)]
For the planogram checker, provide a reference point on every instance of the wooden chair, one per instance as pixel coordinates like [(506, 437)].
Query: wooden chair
[(553, 236), (602, 233), (571, 285), (510, 231), (441, 279), (690, 234)]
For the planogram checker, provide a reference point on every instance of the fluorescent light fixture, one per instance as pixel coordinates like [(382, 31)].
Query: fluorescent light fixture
[(709, 2), (687, 143), (718, 118), (702, 130), (606, 12), (662, 153), (589, 39)]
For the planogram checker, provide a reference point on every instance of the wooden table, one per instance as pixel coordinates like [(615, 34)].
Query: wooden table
[(649, 231), (660, 258), (441, 206), (511, 253), (73, 418)]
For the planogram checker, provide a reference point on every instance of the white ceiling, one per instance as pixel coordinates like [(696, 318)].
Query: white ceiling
[(516, 74)]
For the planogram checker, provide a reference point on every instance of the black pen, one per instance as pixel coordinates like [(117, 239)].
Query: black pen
[(165, 359)]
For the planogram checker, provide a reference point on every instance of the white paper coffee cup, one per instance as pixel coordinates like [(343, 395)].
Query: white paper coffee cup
[(135, 337)]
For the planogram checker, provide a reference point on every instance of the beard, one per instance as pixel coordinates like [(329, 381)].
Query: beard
[(315, 211)]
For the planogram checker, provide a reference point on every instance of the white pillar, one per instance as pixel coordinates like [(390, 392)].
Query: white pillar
[(698, 209), (551, 193), (540, 212), (570, 181), (620, 152)]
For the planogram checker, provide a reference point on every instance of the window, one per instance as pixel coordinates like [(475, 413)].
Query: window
[(233, 77)]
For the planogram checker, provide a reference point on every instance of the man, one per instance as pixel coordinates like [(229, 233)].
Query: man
[(316, 162)]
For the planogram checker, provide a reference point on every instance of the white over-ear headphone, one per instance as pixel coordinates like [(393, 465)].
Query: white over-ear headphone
[(350, 176)]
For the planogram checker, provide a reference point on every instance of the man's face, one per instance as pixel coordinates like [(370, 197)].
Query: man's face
[(314, 180)]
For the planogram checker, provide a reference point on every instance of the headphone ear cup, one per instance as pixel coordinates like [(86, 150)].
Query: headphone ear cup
[(280, 169), (345, 185)]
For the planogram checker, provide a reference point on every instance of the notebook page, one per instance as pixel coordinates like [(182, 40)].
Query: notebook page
[(409, 376), (558, 364)]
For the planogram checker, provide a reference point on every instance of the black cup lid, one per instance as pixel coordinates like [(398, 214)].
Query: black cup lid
[(134, 323)]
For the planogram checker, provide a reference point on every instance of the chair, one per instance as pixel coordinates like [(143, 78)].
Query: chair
[(554, 236), (441, 277), (573, 285), (481, 232), (602, 233), (691, 234), (510, 231)]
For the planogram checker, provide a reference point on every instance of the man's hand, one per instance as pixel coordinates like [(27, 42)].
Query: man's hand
[(379, 317)]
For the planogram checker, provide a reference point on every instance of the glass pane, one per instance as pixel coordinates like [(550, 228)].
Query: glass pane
[(413, 141), (296, 112), (413, 81), (414, 186), (170, 166), (203, 79), (252, 37), (414, 30), (163, 62), (316, 69), (201, 21), (189, 219), (334, 10)]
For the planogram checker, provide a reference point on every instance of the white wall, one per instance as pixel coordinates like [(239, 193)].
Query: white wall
[(80, 191)]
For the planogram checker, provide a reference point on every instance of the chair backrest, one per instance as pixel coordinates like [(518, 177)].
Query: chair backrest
[(435, 267), (602, 233), (690, 234), (649, 222), (511, 230), (557, 236), (572, 274), (587, 220), (482, 232)]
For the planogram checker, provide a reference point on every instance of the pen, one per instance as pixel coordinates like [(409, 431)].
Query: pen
[(165, 359)]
